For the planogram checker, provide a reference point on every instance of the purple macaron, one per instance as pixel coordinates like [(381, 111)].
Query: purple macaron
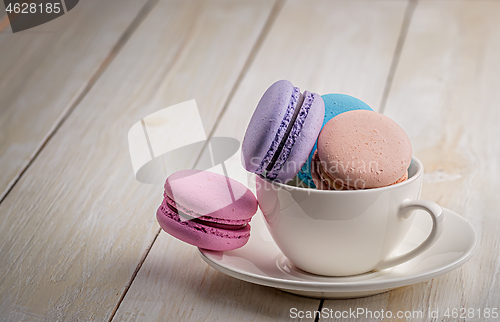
[(207, 210), (282, 132)]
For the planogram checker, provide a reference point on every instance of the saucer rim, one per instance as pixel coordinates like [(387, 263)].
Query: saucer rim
[(365, 285)]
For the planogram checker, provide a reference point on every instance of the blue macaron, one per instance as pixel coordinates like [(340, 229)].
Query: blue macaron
[(335, 104)]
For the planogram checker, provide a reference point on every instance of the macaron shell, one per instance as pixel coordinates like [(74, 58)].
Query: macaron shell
[(322, 184), (305, 139), (200, 235), (364, 145), (334, 104), (403, 178), (205, 193), (317, 180), (266, 121)]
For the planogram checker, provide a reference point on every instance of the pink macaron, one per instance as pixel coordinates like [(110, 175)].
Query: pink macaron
[(361, 150), (207, 210)]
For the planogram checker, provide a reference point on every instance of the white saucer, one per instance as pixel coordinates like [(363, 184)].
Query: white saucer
[(261, 262)]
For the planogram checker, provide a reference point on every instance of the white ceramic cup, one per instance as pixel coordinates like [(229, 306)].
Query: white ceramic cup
[(341, 233)]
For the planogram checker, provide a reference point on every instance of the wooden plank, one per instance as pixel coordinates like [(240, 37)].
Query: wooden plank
[(76, 225), (344, 46), (43, 71), (445, 95)]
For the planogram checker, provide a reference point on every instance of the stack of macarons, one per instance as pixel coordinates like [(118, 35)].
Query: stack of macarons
[(329, 142)]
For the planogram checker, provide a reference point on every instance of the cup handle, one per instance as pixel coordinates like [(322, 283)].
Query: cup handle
[(405, 209)]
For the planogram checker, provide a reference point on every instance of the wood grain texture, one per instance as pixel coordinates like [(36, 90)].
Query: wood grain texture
[(347, 46), (75, 226), (43, 70), (445, 95)]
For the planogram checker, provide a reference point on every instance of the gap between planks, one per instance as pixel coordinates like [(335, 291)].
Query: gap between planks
[(145, 10), (410, 9), (320, 307), (132, 278), (278, 5)]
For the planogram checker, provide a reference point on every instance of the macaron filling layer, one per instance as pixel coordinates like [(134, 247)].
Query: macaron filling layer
[(286, 123), (241, 232), (187, 214), (281, 156)]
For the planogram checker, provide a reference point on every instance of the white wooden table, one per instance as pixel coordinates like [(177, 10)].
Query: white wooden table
[(79, 239)]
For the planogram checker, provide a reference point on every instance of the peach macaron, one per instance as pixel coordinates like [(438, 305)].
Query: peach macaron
[(361, 150)]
